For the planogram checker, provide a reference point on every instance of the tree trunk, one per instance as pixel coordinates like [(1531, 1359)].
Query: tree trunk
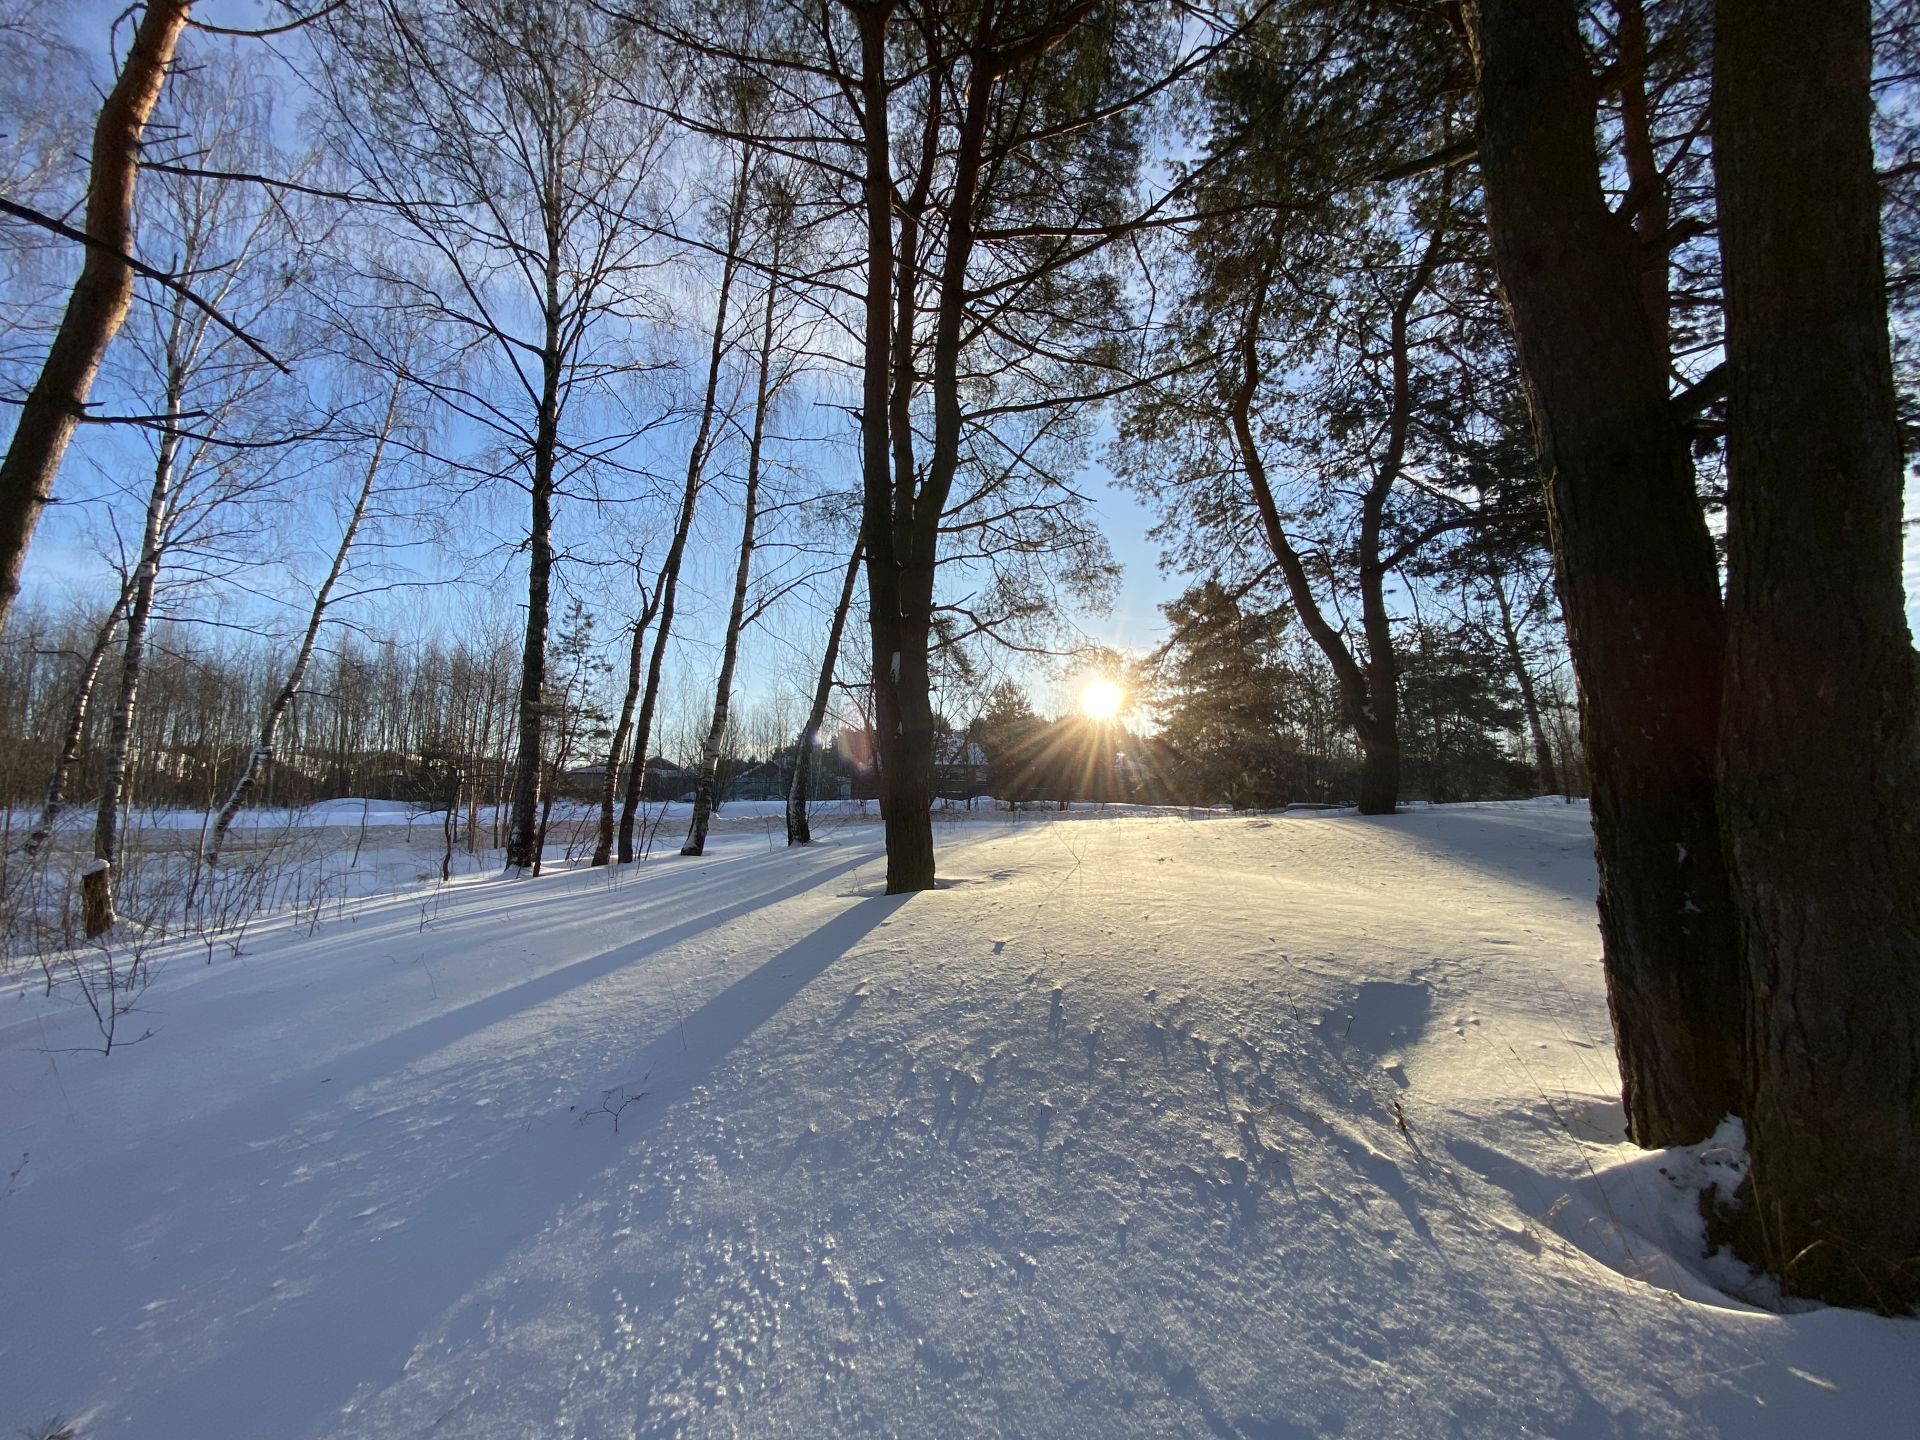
[(900, 520), (668, 589), (904, 798), (1636, 567), (1370, 692), (75, 737), (523, 823), (903, 747), (1380, 770), (1818, 737), (704, 793), (799, 832), (1380, 773), (100, 298), (1529, 697), (97, 883), (270, 727), (547, 794), (623, 728), (450, 828)]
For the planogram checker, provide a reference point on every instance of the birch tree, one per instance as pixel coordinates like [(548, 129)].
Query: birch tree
[(770, 373), (223, 410), (262, 751), (799, 830), (730, 221), (512, 174), (73, 735)]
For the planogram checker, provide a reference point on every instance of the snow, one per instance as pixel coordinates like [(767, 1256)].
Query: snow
[(353, 814), (1142, 1124)]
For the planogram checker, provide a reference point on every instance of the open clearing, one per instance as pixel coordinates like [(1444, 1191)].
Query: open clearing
[(1140, 1125)]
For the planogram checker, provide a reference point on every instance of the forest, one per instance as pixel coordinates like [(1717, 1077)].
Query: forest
[(575, 421), (313, 533)]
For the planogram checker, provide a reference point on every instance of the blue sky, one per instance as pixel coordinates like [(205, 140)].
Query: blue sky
[(1134, 623)]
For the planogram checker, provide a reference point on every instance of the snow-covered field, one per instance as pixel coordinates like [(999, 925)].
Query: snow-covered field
[(1141, 1125)]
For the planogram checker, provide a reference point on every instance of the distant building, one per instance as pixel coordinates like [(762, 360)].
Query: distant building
[(661, 779), (959, 769), (764, 780)]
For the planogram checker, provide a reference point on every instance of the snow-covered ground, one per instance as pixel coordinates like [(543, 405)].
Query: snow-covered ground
[(1141, 1125)]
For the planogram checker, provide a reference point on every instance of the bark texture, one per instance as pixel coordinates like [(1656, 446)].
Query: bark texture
[(1818, 739), (1635, 565), (100, 298)]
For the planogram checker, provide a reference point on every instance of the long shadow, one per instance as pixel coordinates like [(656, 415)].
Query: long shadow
[(318, 1348), (216, 1138), (668, 880), (1537, 846), (381, 1057)]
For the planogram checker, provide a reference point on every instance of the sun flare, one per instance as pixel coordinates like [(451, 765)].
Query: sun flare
[(1101, 699)]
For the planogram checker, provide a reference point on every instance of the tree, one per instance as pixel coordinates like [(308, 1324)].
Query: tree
[(1817, 740), (1332, 351), (1457, 699), (223, 413), (283, 699), (770, 375), (1508, 564), (618, 737), (731, 221), (574, 716), (498, 139), (1021, 141), (101, 296), (1368, 685), (1546, 770), (73, 737), (1225, 699), (1011, 736), (1636, 565), (799, 832)]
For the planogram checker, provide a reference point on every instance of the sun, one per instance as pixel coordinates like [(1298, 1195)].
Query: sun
[(1101, 699)]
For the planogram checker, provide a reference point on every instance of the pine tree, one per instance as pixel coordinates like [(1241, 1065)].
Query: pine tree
[(1225, 697)]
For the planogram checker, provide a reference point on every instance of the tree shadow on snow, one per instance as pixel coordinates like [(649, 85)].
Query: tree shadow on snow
[(293, 1364), (1544, 847)]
